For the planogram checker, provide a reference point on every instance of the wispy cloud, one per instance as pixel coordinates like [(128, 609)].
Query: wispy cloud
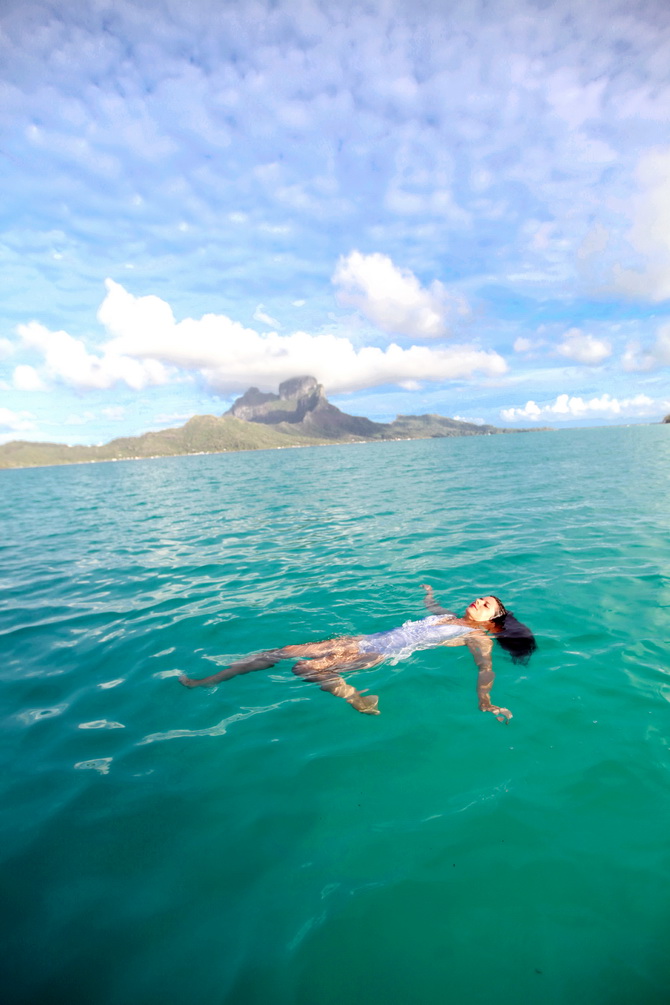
[(649, 234), (427, 174), (652, 357), (12, 423), (261, 315)]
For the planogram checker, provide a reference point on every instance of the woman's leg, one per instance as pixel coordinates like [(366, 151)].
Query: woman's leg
[(261, 661), (342, 647), (324, 673)]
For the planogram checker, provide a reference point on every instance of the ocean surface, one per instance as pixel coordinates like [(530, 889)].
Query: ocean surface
[(262, 843)]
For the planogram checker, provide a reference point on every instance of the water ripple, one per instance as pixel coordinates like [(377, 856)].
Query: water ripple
[(310, 830)]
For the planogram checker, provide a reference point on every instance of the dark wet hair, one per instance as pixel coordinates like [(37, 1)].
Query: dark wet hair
[(502, 610), (514, 637)]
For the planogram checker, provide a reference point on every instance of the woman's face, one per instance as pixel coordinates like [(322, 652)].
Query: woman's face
[(482, 609)]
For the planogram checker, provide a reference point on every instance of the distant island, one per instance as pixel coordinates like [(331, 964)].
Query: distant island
[(299, 416)]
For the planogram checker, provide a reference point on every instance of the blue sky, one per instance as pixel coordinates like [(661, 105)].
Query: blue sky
[(460, 208)]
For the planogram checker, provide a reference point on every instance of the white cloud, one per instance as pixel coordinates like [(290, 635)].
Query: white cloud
[(393, 298), (566, 408), (467, 418), (26, 378), (229, 356), (15, 421), (638, 358), (475, 143), (584, 348), (650, 232), (573, 100), (594, 243), (67, 360)]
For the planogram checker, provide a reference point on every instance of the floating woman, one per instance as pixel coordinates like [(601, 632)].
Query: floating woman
[(484, 621)]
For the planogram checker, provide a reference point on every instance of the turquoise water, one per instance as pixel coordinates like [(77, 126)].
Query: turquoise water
[(262, 842)]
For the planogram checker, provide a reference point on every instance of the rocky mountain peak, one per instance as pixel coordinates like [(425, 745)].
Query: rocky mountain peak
[(251, 399), (297, 397), (297, 387), (301, 404)]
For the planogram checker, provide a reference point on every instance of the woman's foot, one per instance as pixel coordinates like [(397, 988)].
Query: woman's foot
[(365, 703)]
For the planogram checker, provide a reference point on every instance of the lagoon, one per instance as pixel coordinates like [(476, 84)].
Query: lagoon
[(263, 842)]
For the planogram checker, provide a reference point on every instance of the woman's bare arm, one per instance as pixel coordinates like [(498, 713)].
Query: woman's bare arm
[(480, 646), (432, 604)]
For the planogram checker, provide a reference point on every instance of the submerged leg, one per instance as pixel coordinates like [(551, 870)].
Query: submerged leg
[(344, 649), (324, 673), (325, 659), (261, 661)]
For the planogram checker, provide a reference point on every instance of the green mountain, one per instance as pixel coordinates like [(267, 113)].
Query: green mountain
[(412, 427), (300, 415)]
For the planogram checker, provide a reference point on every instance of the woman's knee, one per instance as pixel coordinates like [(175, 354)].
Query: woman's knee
[(310, 671)]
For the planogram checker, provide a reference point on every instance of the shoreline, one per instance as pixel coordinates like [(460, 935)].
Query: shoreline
[(250, 450)]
